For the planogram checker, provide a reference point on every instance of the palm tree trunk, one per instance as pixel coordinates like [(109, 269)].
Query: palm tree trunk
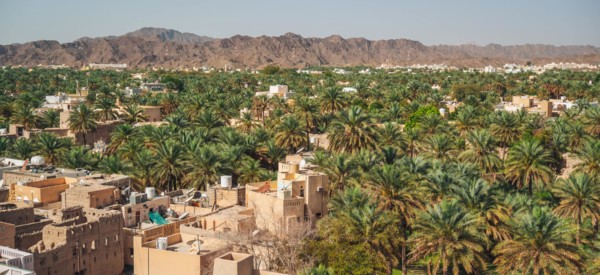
[(84, 141), (578, 236), (404, 257)]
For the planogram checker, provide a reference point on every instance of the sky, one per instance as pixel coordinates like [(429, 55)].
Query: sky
[(432, 22)]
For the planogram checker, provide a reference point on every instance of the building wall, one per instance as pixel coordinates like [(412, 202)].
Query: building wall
[(7, 238), (234, 264), (44, 195), (23, 214), (148, 235), (546, 107), (95, 246), (524, 101), (12, 177), (272, 213), (102, 132), (89, 198), (152, 113), (149, 260)]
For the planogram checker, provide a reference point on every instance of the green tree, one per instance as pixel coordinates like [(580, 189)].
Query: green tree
[(289, 134), (451, 235), (481, 151), (352, 131), (82, 120), (579, 197), (50, 147), (134, 114), (541, 243), (25, 116), (169, 167), (528, 163)]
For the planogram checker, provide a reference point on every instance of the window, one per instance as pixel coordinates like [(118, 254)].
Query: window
[(131, 252), (74, 251)]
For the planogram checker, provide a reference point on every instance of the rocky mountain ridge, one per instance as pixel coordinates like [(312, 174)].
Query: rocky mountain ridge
[(156, 47)]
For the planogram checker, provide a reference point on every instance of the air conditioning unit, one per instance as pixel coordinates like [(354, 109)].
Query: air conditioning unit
[(319, 189)]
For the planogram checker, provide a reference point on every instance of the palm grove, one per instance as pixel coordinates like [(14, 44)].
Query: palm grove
[(482, 191)]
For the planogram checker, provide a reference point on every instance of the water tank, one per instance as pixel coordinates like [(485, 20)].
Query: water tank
[(226, 181), (37, 160), (150, 192), (442, 111), (162, 243), (563, 98)]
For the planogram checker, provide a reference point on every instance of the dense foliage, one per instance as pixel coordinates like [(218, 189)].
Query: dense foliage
[(481, 191)]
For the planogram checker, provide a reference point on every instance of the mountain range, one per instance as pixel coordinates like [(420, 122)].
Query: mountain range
[(158, 47)]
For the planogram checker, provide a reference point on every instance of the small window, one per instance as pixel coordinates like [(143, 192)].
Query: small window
[(131, 252), (318, 215)]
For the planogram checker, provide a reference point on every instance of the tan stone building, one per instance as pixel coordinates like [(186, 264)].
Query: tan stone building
[(298, 196), (43, 192), (234, 263), (179, 253), (95, 191), (83, 241)]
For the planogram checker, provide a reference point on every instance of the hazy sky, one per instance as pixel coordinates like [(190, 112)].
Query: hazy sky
[(557, 22)]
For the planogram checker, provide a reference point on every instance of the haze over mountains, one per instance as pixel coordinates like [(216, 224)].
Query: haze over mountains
[(159, 47)]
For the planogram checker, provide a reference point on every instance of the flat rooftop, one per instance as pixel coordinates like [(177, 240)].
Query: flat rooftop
[(99, 179), (207, 245)]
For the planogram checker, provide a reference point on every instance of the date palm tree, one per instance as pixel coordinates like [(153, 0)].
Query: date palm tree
[(373, 226), (78, 157), (466, 120), (351, 131), (260, 104), (23, 148), (134, 114), (506, 129), (25, 116), (481, 151), (82, 120), (452, 235), (50, 119), (591, 121), (120, 136), (169, 167), (395, 190), (589, 154), (342, 170), (290, 134), (247, 123), (579, 197), (251, 171), (305, 110), (332, 100), (348, 199), (440, 147), (168, 103), (528, 163), (476, 195), (113, 165), (541, 243), (50, 147), (205, 166), (143, 164), (105, 109), (5, 146)]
